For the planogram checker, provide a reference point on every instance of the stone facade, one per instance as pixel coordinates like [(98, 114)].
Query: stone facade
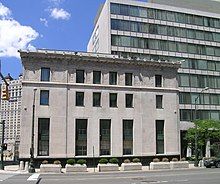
[(63, 113)]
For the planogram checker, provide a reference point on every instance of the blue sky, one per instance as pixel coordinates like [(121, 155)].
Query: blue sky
[(55, 24)]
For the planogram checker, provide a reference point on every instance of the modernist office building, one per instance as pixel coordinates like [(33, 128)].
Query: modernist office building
[(140, 30), (84, 101), (11, 113)]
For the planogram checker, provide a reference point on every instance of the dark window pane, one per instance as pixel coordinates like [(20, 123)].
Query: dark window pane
[(159, 136), (81, 137), (96, 99), (113, 100), (79, 98), (128, 79), (96, 77), (158, 80), (43, 136), (45, 74), (105, 137), (113, 78), (127, 137), (129, 100), (44, 97), (159, 101), (79, 76)]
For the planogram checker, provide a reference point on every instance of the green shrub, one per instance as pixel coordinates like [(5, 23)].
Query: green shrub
[(56, 162), (183, 159), (127, 161), (136, 160), (103, 161), (165, 160), (113, 161), (71, 161), (175, 159), (81, 161), (156, 160), (45, 162)]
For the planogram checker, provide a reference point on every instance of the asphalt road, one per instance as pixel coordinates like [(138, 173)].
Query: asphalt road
[(194, 176)]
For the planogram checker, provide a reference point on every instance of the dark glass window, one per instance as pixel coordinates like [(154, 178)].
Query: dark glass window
[(96, 77), (80, 76), (159, 136), (128, 79), (113, 78), (113, 99), (158, 80), (129, 100), (96, 99), (81, 137), (79, 98), (105, 137), (43, 136), (127, 137), (159, 101), (45, 74), (44, 97)]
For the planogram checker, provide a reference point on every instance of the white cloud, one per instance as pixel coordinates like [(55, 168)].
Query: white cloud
[(13, 35), (44, 21), (60, 14), (4, 11), (56, 2)]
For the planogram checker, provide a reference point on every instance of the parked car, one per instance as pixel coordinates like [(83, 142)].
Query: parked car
[(212, 162)]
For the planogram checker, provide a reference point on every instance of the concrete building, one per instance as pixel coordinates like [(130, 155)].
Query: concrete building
[(168, 30), (84, 101), (11, 113)]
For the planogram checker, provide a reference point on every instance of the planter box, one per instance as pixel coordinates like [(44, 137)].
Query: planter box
[(108, 167), (76, 168), (131, 166), (50, 168), (159, 165), (179, 165)]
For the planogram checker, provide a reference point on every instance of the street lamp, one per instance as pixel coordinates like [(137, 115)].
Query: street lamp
[(31, 166), (196, 163)]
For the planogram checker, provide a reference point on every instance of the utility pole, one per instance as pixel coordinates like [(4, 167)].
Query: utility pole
[(3, 135)]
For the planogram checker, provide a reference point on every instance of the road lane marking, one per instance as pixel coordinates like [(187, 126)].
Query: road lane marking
[(33, 177)]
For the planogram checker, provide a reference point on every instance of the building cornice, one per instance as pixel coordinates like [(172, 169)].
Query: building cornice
[(52, 55)]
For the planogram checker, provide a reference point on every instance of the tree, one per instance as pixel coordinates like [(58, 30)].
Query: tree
[(206, 130)]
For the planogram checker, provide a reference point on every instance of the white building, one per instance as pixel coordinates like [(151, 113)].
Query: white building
[(11, 113), (187, 30), (85, 101)]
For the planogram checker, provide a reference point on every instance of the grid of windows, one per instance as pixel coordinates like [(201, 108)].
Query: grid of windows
[(200, 81), (197, 64), (189, 114), (124, 25), (204, 99), (128, 10), (164, 45)]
